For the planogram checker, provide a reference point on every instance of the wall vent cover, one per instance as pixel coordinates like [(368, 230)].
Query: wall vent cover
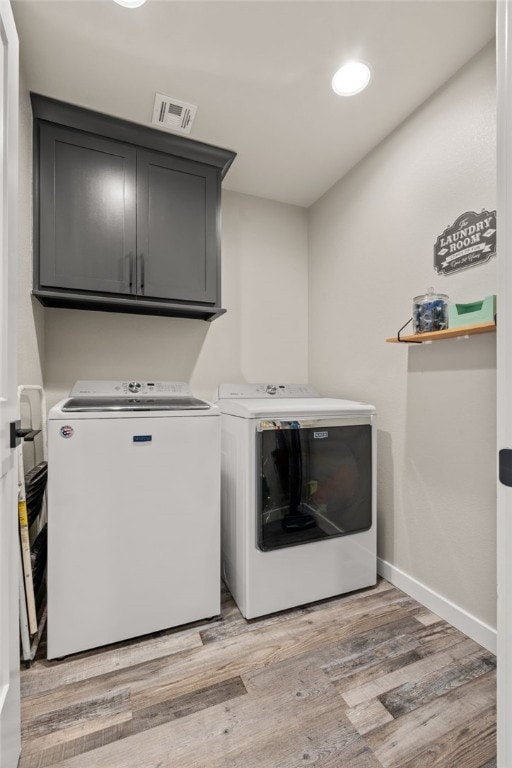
[(173, 114)]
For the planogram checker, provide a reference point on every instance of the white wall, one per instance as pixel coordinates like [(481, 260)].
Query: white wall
[(371, 243), (30, 312)]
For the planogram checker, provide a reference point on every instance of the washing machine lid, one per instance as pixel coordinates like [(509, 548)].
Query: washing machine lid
[(87, 404), (98, 396), (252, 401)]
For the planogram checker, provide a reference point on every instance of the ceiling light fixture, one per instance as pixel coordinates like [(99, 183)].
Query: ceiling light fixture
[(351, 78), (130, 3)]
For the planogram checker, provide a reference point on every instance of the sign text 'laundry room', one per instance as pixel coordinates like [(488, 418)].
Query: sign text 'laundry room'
[(469, 241)]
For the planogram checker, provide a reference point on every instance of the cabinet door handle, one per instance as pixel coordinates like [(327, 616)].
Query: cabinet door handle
[(142, 273), (132, 263)]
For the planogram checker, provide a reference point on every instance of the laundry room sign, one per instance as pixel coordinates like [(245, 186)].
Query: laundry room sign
[(469, 241)]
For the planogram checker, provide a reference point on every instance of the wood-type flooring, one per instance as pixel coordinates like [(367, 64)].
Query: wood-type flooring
[(366, 680)]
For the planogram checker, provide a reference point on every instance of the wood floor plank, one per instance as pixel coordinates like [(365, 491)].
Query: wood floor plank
[(319, 741), (53, 755), (415, 672), (239, 626), (310, 665), (415, 693), (51, 751), (182, 706), (396, 653), (472, 745), (368, 715), (75, 739), (367, 648), (427, 617), (379, 646), (397, 743), (46, 675), (298, 670), (64, 717)]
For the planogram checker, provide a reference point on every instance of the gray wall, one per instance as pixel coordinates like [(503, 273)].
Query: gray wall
[(370, 251)]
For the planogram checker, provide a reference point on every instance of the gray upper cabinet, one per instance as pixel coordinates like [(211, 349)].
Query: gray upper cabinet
[(87, 212), (126, 218), (176, 228)]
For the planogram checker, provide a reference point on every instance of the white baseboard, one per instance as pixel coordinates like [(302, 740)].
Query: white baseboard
[(453, 614)]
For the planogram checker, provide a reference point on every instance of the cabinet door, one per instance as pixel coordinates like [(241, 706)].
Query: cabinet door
[(86, 212), (177, 228)]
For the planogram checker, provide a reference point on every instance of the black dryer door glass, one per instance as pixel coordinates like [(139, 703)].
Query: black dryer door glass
[(315, 483)]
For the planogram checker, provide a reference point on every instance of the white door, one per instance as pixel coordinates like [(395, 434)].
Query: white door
[(9, 548), (504, 217)]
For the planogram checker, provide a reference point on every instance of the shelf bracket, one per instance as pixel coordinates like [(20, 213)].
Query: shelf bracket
[(409, 341)]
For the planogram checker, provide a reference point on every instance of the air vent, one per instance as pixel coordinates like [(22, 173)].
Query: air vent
[(172, 114)]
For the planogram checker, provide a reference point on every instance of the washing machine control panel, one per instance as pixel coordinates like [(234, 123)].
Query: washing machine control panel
[(130, 388), (251, 391)]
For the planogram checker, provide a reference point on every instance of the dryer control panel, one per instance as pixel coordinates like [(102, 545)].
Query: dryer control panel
[(131, 388), (270, 391)]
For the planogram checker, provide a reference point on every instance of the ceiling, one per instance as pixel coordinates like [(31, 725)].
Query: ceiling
[(258, 70)]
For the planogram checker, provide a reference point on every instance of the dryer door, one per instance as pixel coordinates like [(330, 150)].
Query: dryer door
[(315, 480)]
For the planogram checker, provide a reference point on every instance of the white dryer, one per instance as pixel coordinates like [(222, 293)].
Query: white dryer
[(298, 500), (133, 512)]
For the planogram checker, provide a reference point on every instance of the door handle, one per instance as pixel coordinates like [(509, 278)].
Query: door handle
[(132, 265), (142, 270), (505, 466)]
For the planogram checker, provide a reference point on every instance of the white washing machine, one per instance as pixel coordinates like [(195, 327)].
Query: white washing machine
[(133, 512), (298, 501)]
